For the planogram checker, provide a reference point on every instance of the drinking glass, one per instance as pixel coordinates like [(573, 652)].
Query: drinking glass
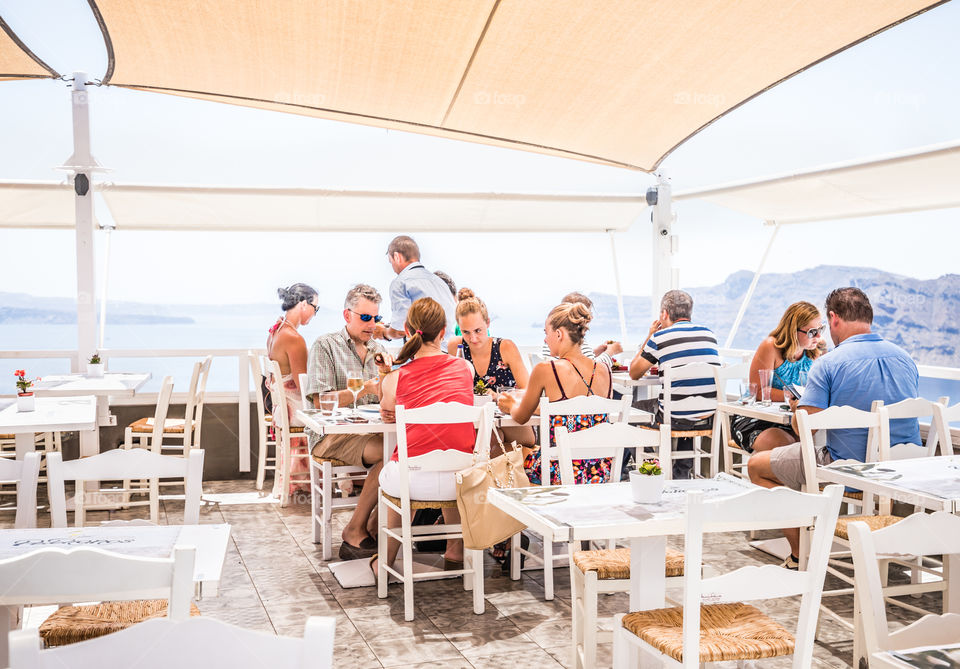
[(748, 393), (328, 403), (766, 380), (355, 385), (802, 379)]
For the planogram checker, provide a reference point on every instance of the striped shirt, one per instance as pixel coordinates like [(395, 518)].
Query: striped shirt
[(684, 343)]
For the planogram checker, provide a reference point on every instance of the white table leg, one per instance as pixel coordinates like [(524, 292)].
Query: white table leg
[(24, 444), (647, 580)]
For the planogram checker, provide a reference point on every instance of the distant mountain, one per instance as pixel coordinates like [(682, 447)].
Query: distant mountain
[(922, 316)]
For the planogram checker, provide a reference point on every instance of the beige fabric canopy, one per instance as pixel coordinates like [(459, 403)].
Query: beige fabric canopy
[(17, 61), (615, 82), (145, 207), (917, 180)]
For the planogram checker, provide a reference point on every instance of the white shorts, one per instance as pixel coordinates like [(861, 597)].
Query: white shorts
[(427, 485)]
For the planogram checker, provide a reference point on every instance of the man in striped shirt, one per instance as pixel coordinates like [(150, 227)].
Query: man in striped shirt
[(673, 342)]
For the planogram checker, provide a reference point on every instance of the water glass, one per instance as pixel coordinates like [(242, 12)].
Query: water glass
[(328, 403), (766, 381), (748, 393), (802, 379)]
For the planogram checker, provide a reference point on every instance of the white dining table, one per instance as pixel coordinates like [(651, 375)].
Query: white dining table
[(924, 657), (933, 483), (52, 414), (157, 541)]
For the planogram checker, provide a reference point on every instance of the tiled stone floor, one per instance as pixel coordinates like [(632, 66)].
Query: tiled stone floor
[(274, 578)]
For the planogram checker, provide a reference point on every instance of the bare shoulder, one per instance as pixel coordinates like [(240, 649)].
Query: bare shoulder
[(507, 346)]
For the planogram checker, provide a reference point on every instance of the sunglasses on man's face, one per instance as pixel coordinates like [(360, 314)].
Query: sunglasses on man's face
[(366, 318), (814, 332)]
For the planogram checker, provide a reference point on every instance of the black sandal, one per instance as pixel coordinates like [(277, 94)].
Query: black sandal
[(501, 551)]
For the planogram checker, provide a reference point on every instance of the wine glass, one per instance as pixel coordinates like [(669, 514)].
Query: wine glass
[(355, 385)]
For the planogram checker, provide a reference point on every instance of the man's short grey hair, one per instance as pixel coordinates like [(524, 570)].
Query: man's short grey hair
[(678, 304), (361, 291)]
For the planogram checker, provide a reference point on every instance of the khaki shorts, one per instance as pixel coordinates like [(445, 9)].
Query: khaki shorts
[(786, 463), (347, 447)]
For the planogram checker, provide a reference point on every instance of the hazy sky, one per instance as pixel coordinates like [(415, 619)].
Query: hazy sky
[(894, 92)]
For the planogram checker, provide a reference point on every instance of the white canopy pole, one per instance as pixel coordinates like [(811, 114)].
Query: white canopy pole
[(753, 285), (103, 286), (616, 278), (663, 242), (81, 164)]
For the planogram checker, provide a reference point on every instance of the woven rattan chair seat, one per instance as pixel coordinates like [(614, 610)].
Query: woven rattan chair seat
[(332, 461), (8, 436), (727, 632), (848, 494), (681, 433), (296, 429), (615, 564), (873, 522), (267, 418), (423, 504), (145, 425), (71, 624)]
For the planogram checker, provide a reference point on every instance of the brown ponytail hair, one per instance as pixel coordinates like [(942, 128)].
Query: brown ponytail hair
[(573, 317), (425, 321), (469, 303)]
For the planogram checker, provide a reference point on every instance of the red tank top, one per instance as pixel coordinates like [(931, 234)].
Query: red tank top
[(425, 381)]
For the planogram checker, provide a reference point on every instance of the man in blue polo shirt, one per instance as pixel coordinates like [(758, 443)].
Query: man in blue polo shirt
[(862, 368)]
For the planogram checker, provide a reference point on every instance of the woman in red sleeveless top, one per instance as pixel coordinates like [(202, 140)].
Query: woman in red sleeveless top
[(429, 377)]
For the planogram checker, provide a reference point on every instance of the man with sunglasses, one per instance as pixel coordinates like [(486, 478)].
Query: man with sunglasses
[(412, 282), (333, 359), (862, 368)]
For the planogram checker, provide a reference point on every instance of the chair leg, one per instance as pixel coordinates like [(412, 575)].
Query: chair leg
[(467, 577), (382, 543), (315, 503), (262, 459), (621, 646), (547, 569), (515, 557), (326, 491), (476, 559), (407, 550), (697, 445), (589, 626), (576, 611), (155, 501), (285, 476)]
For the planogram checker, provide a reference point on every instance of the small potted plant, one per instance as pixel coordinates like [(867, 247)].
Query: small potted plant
[(481, 393), (25, 398), (95, 367), (646, 482)]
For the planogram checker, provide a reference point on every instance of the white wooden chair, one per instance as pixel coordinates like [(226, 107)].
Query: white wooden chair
[(53, 575), (264, 421), (943, 416), (43, 443), (915, 407), (734, 458), (122, 464), (24, 474), (602, 571), (183, 433), (324, 475), (283, 432), (150, 488), (686, 376), (304, 402), (617, 411), (441, 413), (714, 623), (917, 535), (197, 643)]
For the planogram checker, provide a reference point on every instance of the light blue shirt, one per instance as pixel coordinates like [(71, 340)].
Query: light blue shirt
[(863, 368), (413, 282)]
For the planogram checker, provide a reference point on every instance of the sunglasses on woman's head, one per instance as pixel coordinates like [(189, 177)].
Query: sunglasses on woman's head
[(366, 318), (814, 332)]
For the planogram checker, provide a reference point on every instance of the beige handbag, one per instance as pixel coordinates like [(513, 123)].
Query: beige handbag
[(483, 524)]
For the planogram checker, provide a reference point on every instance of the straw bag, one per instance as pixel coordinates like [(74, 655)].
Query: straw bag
[(482, 523)]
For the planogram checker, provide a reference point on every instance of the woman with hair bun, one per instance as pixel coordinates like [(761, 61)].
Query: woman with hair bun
[(299, 303), (429, 376), (569, 374)]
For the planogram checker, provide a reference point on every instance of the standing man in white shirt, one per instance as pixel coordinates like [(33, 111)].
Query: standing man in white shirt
[(413, 282)]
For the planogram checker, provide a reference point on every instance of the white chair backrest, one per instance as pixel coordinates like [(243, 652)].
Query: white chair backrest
[(606, 440), (160, 415), (840, 418), (915, 407), (943, 416), (24, 473), (758, 509), (616, 411), (699, 377), (727, 373), (920, 534), (440, 413), (189, 409), (281, 419), (55, 575), (199, 399), (189, 644), (120, 464), (302, 380), (257, 373)]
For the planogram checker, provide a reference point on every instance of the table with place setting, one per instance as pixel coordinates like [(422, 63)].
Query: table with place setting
[(931, 482)]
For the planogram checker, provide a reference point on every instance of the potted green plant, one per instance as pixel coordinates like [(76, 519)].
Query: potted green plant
[(646, 482), (95, 367), (25, 397), (481, 393)]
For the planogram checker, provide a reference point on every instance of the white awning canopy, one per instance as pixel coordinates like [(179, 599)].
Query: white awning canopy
[(918, 180), (149, 207)]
